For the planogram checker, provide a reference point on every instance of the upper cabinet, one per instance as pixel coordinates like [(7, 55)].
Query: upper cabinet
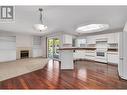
[(91, 40), (67, 39), (113, 38), (116, 37)]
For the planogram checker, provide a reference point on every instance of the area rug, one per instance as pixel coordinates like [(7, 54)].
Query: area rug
[(19, 67)]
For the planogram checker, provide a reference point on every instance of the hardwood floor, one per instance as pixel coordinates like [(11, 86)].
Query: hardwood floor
[(86, 75)]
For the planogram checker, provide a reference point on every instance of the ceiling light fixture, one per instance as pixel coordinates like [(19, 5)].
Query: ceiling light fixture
[(40, 27), (92, 28)]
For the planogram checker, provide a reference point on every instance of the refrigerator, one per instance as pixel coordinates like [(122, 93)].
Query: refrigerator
[(122, 65)]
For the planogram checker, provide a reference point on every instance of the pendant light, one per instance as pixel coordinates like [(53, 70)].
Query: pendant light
[(40, 27)]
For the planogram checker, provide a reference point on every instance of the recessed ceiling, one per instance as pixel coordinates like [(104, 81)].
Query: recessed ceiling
[(92, 28), (65, 18)]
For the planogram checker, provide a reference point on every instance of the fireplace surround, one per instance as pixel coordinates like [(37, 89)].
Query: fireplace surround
[(23, 52)]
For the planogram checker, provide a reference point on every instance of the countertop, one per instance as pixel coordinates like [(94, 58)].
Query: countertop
[(75, 48), (81, 48), (112, 50)]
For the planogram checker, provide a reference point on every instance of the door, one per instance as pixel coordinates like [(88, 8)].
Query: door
[(56, 43), (50, 48), (120, 64), (124, 58), (53, 46)]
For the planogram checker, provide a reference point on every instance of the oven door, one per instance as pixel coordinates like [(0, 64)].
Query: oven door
[(100, 54)]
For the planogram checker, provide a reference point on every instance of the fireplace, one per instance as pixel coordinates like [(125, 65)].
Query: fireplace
[(24, 54)]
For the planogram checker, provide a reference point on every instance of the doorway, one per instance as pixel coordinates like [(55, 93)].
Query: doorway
[(53, 46)]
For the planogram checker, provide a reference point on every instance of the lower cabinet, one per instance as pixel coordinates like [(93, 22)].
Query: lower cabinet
[(84, 55), (90, 55), (79, 54), (113, 57)]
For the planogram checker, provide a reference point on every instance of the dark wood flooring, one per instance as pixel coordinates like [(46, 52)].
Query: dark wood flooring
[(86, 75)]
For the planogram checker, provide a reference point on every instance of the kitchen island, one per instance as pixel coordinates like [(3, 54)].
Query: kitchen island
[(66, 56)]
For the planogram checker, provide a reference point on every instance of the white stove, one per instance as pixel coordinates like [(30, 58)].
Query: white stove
[(101, 55)]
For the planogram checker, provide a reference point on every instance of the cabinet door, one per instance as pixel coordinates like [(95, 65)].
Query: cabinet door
[(67, 39), (91, 40), (116, 37), (79, 55), (90, 55), (111, 38), (113, 58)]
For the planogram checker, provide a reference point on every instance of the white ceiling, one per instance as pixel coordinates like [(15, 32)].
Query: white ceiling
[(65, 18)]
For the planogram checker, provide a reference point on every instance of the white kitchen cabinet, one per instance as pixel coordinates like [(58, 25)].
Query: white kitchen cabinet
[(84, 54), (116, 37), (79, 54), (67, 39), (90, 55), (113, 57), (91, 40), (102, 36), (113, 38)]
